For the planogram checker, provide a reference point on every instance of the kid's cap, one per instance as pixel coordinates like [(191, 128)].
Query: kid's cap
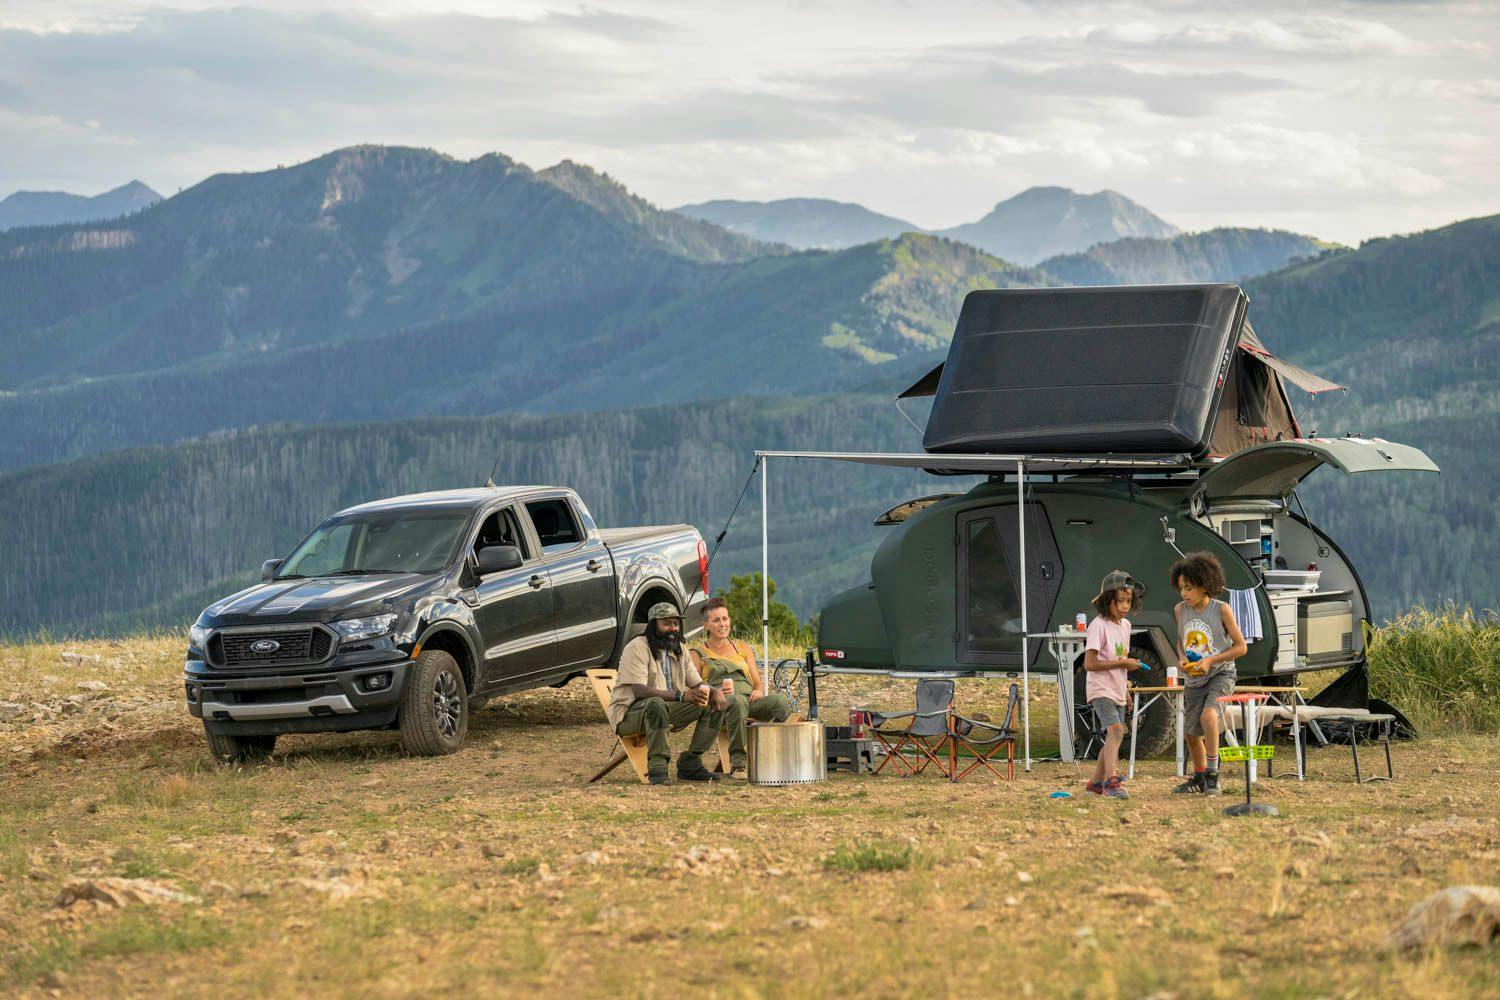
[(1119, 580)]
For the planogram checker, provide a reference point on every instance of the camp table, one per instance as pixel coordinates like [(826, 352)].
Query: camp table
[(1285, 698)]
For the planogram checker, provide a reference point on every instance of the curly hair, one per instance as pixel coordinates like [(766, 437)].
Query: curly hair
[(1202, 570), (1104, 603)]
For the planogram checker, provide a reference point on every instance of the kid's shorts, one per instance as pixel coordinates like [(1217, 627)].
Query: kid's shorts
[(1205, 695), (1107, 713)]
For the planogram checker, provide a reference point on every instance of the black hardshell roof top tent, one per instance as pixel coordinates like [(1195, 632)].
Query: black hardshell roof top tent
[(1154, 369)]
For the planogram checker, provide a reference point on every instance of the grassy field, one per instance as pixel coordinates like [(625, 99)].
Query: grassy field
[(344, 868)]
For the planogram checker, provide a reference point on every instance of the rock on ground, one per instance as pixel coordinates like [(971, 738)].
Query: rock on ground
[(1458, 915)]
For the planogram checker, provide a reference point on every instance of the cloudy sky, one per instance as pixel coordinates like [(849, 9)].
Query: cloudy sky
[(1344, 120)]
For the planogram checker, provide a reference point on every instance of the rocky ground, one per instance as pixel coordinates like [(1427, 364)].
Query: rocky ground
[(129, 864)]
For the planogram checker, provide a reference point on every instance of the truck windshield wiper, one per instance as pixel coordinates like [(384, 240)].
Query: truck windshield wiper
[(290, 576), (362, 572)]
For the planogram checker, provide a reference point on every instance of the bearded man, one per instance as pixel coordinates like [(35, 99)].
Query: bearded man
[(658, 689)]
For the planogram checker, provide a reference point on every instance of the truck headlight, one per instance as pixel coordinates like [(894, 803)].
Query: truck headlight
[(355, 629), (198, 636)]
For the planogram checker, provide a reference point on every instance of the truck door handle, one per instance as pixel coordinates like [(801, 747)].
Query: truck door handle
[(595, 566), (536, 582)]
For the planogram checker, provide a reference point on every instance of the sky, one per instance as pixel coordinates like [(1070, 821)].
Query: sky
[(1342, 120)]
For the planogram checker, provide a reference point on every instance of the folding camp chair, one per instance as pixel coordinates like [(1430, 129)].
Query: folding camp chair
[(633, 748), (983, 740), (925, 734)]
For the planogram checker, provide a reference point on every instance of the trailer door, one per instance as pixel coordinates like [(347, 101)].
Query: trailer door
[(989, 623)]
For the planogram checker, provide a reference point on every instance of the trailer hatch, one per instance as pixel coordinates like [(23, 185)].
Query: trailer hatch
[(1273, 471)]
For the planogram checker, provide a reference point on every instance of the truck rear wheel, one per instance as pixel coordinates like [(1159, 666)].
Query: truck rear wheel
[(229, 749), (434, 716)]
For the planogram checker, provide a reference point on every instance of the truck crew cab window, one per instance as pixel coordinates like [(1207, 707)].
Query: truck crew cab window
[(556, 527), (502, 528)]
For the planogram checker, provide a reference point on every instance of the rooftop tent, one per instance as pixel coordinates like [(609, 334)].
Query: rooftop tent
[(1148, 369)]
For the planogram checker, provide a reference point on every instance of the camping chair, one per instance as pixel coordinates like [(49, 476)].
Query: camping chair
[(926, 731), (983, 740), (633, 748)]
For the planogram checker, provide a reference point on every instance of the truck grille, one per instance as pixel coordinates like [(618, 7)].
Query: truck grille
[(297, 645)]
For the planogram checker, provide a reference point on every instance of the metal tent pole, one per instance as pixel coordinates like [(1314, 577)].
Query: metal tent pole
[(1025, 630), (765, 568)]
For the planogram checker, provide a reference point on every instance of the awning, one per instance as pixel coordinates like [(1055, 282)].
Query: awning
[(926, 385), (979, 465), (1300, 377)]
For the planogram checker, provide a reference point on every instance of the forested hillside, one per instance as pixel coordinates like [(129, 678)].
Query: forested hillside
[(1215, 255), (148, 537), (284, 296)]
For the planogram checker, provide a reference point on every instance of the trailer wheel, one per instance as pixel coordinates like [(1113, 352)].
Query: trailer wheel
[(1154, 730), (229, 749)]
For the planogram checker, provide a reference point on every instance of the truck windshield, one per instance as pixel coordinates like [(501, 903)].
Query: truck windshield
[(383, 542)]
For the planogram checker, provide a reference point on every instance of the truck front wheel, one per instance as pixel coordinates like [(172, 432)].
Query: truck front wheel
[(229, 749), (434, 716)]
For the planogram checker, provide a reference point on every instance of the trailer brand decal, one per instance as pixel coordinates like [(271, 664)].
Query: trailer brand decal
[(833, 654), (929, 599)]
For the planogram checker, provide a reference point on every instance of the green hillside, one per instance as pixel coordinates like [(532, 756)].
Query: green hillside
[(285, 296), (150, 536), (1215, 255)]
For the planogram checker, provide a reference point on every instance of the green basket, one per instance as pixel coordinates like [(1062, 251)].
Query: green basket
[(1257, 752)]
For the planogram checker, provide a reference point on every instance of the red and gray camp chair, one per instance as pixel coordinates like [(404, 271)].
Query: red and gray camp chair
[(924, 735), (983, 740)]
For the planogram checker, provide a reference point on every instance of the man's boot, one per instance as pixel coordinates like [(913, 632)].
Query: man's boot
[(690, 768)]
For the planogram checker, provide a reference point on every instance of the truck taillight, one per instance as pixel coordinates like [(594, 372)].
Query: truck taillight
[(703, 565)]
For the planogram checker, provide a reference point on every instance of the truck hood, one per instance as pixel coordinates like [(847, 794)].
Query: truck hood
[(321, 599)]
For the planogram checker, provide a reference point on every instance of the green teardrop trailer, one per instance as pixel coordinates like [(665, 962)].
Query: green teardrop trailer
[(1184, 432)]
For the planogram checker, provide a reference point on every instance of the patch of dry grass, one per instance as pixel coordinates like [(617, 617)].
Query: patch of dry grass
[(344, 868)]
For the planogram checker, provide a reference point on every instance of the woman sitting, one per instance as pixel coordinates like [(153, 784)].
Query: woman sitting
[(720, 658)]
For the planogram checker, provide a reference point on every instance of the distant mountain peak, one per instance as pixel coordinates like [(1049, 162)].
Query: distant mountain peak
[(1046, 221), (51, 208), (805, 223)]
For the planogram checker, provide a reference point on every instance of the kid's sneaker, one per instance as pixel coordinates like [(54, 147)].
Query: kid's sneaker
[(1115, 789), (1211, 783), (1095, 787), (1193, 786)]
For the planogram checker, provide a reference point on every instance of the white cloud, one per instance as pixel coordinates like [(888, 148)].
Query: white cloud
[(1340, 119)]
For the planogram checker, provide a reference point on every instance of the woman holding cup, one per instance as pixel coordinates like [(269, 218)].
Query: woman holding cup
[(731, 665)]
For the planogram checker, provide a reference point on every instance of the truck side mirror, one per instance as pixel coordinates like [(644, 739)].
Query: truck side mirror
[(268, 569), (494, 558)]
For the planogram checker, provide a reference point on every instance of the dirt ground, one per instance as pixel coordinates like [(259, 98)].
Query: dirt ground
[(343, 867)]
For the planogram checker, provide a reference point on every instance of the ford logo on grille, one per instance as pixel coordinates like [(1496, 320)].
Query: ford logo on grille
[(264, 646)]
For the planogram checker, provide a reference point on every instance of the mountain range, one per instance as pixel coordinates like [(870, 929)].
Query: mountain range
[(285, 295), (432, 299), (51, 208)]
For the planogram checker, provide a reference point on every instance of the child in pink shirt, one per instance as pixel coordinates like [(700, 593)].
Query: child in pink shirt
[(1107, 662)]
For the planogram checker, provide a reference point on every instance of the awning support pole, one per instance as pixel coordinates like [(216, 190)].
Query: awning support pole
[(1025, 621), (765, 568)]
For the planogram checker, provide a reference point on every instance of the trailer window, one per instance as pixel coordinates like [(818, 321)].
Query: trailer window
[(993, 619)]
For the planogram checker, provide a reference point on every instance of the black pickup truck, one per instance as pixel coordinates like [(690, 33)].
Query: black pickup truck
[(409, 612)]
